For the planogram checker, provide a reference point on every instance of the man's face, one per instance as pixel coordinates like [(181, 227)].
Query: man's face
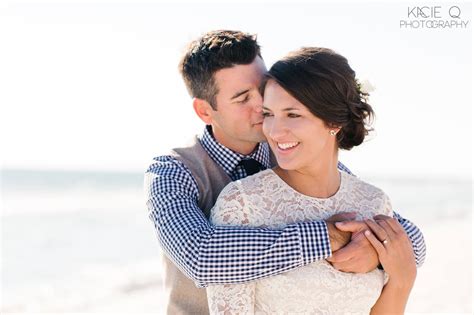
[(237, 120)]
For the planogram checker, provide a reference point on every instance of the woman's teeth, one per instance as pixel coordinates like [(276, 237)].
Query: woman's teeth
[(287, 145)]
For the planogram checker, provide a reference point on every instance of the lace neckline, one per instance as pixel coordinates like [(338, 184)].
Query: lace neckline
[(339, 191)]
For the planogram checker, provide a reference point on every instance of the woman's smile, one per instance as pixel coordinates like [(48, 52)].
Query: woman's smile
[(286, 147)]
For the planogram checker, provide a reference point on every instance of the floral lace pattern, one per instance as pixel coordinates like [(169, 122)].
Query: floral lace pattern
[(265, 200)]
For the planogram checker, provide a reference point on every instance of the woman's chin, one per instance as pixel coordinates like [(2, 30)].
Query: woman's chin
[(286, 165)]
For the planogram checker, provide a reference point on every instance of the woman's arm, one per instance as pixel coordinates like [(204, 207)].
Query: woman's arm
[(396, 256)]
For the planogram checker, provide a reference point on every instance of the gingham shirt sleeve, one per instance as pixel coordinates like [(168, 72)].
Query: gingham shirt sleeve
[(413, 232), (416, 237), (210, 254)]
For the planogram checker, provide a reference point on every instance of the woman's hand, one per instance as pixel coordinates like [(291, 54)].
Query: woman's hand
[(394, 249)]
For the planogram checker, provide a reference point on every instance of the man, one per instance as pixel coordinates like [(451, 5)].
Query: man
[(223, 71)]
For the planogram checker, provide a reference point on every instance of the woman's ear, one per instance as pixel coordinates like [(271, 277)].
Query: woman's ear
[(203, 109), (334, 129)]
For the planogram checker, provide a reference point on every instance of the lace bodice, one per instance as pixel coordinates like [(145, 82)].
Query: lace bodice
[(265, 200)]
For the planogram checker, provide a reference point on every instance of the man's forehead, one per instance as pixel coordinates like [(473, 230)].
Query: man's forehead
[(238, 79)]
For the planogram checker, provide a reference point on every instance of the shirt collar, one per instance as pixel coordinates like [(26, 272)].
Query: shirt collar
[(229, 159)]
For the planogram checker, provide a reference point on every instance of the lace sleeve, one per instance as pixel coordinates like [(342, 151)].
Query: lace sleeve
[(230, 207), (231, 298), (387, 208)]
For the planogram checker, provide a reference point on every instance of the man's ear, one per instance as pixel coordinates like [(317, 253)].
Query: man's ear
[(203, 109)]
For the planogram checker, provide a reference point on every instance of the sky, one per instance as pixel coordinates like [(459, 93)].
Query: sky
[(93, 85)]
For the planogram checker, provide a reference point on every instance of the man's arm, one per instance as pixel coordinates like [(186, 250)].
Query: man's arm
[(416, 238), (210, 254)]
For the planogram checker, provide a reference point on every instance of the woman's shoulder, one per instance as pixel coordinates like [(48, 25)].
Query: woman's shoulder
[(235, 200), (238, 203), (358, 184), (369, 193)]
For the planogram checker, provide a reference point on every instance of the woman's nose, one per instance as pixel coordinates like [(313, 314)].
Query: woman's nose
[(277, 129)]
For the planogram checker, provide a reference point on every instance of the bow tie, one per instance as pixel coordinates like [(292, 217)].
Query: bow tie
[(251, 166)]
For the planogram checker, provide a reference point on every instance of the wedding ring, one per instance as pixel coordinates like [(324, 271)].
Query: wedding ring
[(385, 242)]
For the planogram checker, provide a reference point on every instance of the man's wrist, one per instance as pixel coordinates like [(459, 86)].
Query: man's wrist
[(337, 238), (314, 241)]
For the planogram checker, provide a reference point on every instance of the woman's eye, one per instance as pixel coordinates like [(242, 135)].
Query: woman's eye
[(266, 114), (291, 115)]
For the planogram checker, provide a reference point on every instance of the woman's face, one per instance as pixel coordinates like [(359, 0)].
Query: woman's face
[(298, 138)]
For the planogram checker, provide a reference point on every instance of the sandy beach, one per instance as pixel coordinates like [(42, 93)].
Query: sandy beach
[(444, 283)]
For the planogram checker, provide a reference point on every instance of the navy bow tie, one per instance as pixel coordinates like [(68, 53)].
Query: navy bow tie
[(251, 166)]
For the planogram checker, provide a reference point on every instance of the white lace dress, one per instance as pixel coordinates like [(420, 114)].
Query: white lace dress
[(265, 200)]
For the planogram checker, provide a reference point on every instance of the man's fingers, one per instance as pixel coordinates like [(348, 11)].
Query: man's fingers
[(343, 216), (342, 254), (381, 217), (342, 266), (350, 226), (375, 243)]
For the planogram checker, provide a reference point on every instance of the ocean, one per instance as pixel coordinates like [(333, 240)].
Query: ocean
[(73, 240)]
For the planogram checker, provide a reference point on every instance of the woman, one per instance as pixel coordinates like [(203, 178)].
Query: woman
[(313, 107)]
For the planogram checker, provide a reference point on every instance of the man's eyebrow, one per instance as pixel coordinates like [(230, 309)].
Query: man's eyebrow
[(239, 94)]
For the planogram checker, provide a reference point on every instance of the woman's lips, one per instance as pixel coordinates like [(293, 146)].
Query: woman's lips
[(287, 147)]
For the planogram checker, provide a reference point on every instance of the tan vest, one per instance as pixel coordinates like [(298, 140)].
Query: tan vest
[(182, 296)]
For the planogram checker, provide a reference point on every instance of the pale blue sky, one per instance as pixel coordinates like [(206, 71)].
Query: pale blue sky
[(94, 85)]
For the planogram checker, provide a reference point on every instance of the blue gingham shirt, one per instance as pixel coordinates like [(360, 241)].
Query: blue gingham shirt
[(210, 254)]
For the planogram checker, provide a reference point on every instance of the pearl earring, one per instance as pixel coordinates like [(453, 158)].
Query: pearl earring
[(332, 132)]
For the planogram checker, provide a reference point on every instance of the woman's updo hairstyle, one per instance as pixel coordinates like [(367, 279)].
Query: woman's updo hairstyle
[(324, 82)]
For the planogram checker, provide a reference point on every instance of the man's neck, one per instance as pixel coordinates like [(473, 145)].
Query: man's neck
[(242, 147)]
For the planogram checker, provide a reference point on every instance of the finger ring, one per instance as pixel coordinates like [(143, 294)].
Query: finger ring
[(385, 241)]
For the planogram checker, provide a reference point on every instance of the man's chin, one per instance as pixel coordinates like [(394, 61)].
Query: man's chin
[(253, 135), (260, 137)]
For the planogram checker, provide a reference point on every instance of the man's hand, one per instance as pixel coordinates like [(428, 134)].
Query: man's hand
[(359, 256), (339, 238)]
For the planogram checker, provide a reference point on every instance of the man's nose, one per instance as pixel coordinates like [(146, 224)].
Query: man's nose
[(258, 103)]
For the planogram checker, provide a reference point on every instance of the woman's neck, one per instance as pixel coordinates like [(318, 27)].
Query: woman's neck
[(321, 180)]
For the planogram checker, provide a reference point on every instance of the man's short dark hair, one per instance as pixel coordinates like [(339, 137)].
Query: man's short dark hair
[(212, 52)]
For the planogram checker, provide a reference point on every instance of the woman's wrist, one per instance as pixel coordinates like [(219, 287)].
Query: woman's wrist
[(401, 285)]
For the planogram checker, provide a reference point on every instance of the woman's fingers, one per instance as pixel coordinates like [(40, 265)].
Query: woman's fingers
[(394, 224), (375, 243), (378, 230), (387, 228)]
